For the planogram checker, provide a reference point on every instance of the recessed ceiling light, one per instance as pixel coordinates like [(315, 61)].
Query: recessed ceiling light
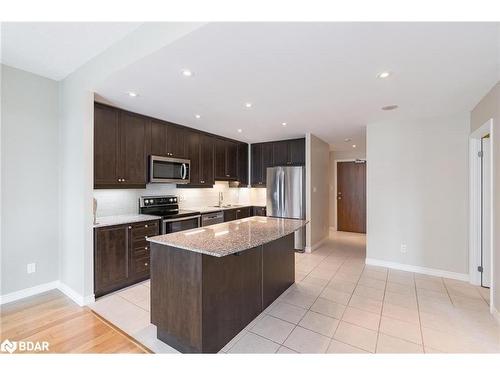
[(187, 73), (383, 75), (353, 146), (283, 123), (197, 116), (132, 94), (240, 130), (347, 140), (248, 105), (389, 107)]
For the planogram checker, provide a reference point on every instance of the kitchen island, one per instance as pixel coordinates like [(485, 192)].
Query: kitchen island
[(208, 283)]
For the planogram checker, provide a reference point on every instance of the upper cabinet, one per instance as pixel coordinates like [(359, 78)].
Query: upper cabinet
[(200, 150), (167, 139), (119, 148), (226, 159), (272, 154), (243, 164)]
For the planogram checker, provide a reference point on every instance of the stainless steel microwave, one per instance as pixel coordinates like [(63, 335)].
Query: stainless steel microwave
[(169, 170)]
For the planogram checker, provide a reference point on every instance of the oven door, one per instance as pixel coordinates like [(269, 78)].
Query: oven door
[(180, 224), (169, 170)]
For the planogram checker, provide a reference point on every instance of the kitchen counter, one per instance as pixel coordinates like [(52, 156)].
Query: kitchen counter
[(208, 209), (224, 239), (107, 221)]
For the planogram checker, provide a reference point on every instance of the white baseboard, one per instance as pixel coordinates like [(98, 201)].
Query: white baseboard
[(310, 249), (418, 269), (42, 288), (28, 292), (76, 297)]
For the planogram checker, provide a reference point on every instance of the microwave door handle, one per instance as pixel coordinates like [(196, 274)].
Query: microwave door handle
[(184, 171)]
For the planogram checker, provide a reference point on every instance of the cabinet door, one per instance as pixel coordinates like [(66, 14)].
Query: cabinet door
[(243, 164), (259, 211), (158, 134), (132, 150), (267, 160), (231, 160), (176, 141), (256, 164), (106, 145), (206, 160), (193, 153), (242, 212), (220, 159), (297, 151), (280, 153), (230, 215), (111, 259)]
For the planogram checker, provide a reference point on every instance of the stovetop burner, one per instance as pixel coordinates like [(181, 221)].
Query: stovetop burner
[(165, 206)]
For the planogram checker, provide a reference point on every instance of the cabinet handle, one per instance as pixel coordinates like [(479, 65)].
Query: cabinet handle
[(146, 237), (145, 264), (146, 248), (130, 227), (145, 226), (227, 175)]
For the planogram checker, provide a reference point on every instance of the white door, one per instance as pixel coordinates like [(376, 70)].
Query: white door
[(486, 212)]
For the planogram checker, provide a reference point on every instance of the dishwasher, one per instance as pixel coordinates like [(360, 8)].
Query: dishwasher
[(212, 218)]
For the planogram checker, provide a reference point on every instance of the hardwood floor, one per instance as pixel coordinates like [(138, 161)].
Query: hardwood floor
[(68, 328)]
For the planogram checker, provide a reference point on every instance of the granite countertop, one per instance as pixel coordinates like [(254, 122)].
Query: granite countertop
[(228, 238), (107, 221), (207, 209)]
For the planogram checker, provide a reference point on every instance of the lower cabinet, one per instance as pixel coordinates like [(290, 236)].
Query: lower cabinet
[(237, 213), (122, 255), (259, 211)]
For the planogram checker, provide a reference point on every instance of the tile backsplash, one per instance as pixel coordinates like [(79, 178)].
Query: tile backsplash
[(126, 201)]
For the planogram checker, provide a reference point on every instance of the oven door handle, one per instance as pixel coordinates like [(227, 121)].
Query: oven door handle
[(182, 218)]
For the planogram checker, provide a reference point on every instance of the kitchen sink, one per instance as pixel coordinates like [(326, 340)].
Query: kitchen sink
[(228, 205)]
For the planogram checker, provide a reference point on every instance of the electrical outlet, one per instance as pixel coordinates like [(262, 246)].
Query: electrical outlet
[(403, 247), (31, 268)]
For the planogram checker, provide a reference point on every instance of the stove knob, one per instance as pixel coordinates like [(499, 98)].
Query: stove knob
[(146, 201), (171, 199)]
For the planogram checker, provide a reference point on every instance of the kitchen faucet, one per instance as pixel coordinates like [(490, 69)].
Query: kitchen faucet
[(221, 198)]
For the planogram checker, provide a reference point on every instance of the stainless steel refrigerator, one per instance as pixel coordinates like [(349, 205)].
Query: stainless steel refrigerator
[(286, 197)]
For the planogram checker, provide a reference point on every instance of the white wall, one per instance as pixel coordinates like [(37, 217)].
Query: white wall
[(317, 191), (489, 108), (334, 156), (30, 176), (417, 190)]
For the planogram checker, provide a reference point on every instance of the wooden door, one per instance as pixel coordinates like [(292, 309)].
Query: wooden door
[(132, 149), (256, 164), (231, 160), (351, 197), (111, 258), (106, 145), (297, 151), (193, 154), (207, 160), (176, 142), (280, 153), (243, 164), (158, 138), (220, 159), (267, 160)]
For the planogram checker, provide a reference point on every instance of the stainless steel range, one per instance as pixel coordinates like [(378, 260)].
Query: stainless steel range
[(173, 218)]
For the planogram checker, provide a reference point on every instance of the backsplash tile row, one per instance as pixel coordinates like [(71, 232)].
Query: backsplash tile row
[(126, 201)]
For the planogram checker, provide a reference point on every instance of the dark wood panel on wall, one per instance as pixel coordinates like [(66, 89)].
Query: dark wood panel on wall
[(351, 197)]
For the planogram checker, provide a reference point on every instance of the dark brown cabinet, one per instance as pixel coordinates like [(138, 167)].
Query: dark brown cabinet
[(243, 164), (119, 149), (200, 150), (226, 159), (237, 213), (122, 255), (207, 176), (259, 211), (273, 154), (176, 141)]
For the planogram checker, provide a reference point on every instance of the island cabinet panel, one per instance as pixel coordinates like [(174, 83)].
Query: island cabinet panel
[(278, 273), (200, 302), (232, 293), (176, 297)]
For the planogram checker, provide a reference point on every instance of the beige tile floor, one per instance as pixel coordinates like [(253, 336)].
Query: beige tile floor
[(339, 305)]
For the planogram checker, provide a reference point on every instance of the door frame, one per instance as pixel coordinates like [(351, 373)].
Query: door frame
[(336, 226), (475, 206)]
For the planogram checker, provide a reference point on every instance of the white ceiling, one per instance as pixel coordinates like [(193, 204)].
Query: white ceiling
[(56, 49)]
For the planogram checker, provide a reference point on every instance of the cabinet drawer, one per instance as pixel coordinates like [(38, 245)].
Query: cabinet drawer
[(140, 265), (141, 251), (142, 230)]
